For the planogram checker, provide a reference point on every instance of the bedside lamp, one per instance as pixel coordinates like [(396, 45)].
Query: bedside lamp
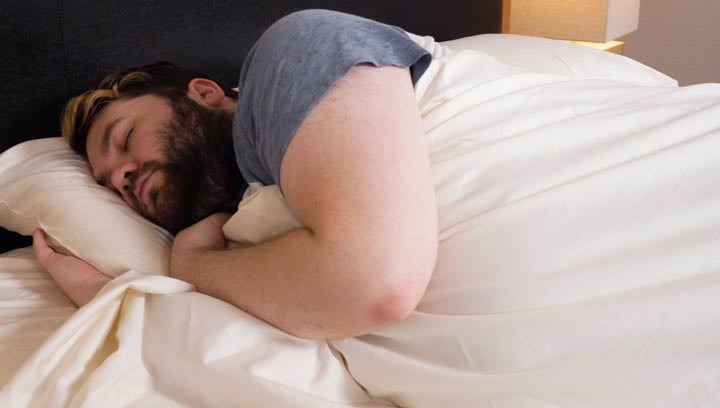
[(588, 22)]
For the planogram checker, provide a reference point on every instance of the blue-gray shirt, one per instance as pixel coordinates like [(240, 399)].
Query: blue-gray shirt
[(291, 67)]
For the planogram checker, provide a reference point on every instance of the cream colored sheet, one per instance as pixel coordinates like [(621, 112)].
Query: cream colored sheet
[(32, 307), (579, 262), (151, 341), (579, 266)]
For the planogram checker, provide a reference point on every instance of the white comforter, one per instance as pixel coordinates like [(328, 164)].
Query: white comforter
[(579, 266)]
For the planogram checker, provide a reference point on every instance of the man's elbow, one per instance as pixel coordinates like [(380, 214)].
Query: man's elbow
[(376, 308), (400, 299), (389, 287), (393, 307)]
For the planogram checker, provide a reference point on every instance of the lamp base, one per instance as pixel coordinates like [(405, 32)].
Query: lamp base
[(618, 47)]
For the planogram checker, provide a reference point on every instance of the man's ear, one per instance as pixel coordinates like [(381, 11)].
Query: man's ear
[(206, 92)]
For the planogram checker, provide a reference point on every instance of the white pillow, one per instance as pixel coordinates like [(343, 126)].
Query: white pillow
[(263, 214), (560, 57), (45, 184)]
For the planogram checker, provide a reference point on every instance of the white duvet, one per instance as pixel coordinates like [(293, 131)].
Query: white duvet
[(579, 266)]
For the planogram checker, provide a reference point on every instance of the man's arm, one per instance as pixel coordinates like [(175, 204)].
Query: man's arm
[(357, 176)]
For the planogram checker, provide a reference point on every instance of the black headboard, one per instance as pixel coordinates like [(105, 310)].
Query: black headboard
[(53, 49)]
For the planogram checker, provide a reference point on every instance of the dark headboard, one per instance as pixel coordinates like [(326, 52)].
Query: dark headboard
[(53, 49)]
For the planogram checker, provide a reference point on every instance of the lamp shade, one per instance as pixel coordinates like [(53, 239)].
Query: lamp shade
[(581, 20)]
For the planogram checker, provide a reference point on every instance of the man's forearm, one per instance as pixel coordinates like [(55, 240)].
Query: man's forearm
[(357, 175), (296, 284)]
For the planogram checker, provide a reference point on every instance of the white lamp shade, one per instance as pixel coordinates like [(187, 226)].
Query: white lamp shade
[(581, 20)]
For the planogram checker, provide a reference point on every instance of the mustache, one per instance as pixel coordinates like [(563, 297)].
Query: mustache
[(135, 177)]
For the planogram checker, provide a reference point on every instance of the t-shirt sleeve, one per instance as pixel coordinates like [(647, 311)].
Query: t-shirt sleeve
[(291, 67)]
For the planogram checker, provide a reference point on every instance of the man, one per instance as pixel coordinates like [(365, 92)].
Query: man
[(325, 110)]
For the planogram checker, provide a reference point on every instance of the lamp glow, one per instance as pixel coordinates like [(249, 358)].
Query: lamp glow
[(580, 20)]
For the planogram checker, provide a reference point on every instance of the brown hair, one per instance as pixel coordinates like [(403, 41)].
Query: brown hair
[(161, 78)]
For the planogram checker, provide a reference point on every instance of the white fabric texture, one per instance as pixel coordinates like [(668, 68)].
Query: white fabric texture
[(579, 261), (32, 307), (579, 266), (560, 57)]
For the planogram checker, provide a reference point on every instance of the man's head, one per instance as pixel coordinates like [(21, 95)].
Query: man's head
[(161, 137)]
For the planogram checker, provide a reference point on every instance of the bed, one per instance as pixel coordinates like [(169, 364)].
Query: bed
[(579, 261)]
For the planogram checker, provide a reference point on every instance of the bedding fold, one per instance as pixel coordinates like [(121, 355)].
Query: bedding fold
[(153, 341)]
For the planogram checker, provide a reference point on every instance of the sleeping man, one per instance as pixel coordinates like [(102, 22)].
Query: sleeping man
[(326, 110)]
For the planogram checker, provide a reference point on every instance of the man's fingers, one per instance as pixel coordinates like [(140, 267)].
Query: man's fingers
[(214, 221), (219, 219), (43, 252)]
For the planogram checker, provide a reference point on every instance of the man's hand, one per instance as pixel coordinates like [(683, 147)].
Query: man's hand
[(205, 235), (78, 279)]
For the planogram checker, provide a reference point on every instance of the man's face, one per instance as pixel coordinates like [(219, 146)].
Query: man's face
[(171, 161)]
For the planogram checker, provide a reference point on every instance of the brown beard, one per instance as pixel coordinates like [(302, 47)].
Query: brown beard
[(200, 175)]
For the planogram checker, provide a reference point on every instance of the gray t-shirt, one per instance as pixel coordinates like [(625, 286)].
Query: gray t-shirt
[(291, 67)]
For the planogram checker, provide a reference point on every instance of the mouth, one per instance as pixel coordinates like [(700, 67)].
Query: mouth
[(141, 187)]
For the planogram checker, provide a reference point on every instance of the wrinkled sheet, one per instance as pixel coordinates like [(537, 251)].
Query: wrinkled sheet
[(151, 341), (579, 261), (32, 307), (579, 266)]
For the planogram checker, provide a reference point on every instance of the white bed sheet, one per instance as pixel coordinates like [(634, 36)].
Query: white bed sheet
[(579, 262), (32, 307)]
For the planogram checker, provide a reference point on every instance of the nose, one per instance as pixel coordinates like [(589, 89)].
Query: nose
[(121, 176)]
